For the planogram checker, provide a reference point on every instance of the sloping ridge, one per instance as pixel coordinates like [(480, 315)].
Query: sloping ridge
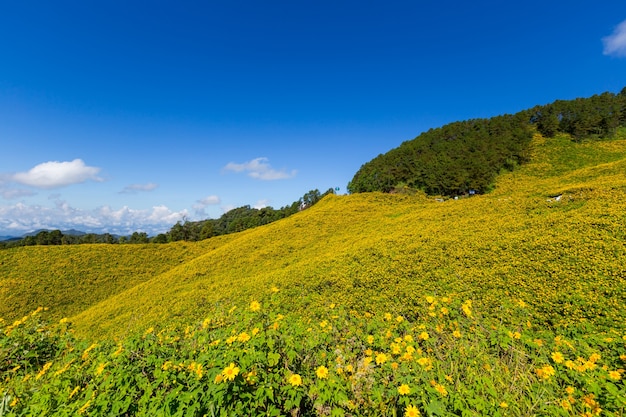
[(378, 251)]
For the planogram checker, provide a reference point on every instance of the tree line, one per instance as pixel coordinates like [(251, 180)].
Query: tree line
[(465, 157), (236, 220)]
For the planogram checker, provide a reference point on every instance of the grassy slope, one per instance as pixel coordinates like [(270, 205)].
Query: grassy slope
[(69, 279), (565, 259)]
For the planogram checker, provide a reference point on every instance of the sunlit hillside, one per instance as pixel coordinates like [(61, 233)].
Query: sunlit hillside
[(511, 303), (69, 279), (564, 256)]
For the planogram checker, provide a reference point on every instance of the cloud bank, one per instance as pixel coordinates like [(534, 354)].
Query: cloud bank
[(57, 174), (21, 218), (615, 44), (260, 169)]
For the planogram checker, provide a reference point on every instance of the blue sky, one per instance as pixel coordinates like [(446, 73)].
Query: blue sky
[(125, 116)]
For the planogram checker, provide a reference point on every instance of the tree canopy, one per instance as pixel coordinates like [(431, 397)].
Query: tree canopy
[(465, 157)]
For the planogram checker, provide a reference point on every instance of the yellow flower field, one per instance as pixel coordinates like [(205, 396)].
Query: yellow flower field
[(505, 304)]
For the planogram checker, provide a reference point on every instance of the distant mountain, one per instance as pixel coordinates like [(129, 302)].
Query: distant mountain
[(71, 232), (7, 238)]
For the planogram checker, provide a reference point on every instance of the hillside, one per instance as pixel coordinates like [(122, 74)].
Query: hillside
[(370, 251), (508, 303), (466, 157)]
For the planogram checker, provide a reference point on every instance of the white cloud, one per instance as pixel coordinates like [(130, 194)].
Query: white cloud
[(56, 174), (210, 200), (615, 44), (261, 204), (202, 204), (20, 218), (260, 169), (135, 188)]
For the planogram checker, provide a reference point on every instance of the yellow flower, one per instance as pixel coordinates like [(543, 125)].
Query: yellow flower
[(86, 352), (119, 350), (370, 339), (100, 368), (295, 380), (408, 338), (404, 389), (243, 337), (411, 411), (399, 319), (43, 370), (441, 390), (219, 378), (274, 289), (322, 372), (74, 391), (381, 358), (557, 357), (255, 331), (595, 357), (545, 372), (423, 336), (231, 339), (84, 407), (504, 404), (424, 361), (196, 368), (255, 306), (570, 390), (467, 308), (230, 372), (456, 334), (430, 299), (615, 375), (388, 316), (14, 402)]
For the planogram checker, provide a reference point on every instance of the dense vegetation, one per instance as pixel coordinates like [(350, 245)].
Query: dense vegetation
[(445, 360), (465, 157)]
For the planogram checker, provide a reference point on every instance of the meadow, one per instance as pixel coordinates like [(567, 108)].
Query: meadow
[(511, 303)]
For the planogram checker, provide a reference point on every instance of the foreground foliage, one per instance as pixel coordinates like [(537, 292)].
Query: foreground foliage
[(446, 360)]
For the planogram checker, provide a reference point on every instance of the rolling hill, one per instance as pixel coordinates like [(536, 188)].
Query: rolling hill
[(507, 303), (368, 251)]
